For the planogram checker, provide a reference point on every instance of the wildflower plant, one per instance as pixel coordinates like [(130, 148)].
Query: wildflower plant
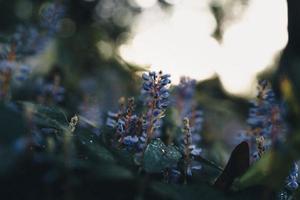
[(260, 141), (190, 151), (187, 107), (292, 179), (28, 41), (185, 93), (155, 95), (266, 128), (291, 183), (5, 78), (54, 91), (265, 121), (51, 14), (11, 72), (125, 123), (187, 150)]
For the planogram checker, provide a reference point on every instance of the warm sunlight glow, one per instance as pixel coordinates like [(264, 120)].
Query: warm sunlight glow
[(181, 43)]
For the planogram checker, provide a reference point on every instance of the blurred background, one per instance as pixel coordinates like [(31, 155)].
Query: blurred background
[(234, 40), (83, 55), (82, 59)]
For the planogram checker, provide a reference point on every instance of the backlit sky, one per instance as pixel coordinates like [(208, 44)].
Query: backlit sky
[(180, 42)]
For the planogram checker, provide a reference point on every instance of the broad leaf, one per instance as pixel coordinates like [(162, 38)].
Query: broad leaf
[(158, 156), (44, 116), (237, 165)]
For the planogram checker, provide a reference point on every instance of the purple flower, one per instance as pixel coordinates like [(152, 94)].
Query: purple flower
[(51, 14), (190, 151), (131, 140), (291, 180), (127, 125), (27, 41), (54, 91), (186, 106), (265, 120), (155, 95)]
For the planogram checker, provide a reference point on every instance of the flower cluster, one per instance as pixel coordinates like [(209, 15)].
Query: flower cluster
[(260, 141), (260, 114), (265, 121), (185, 96), (10, 70), (190, 150), (52, 92), (6, 69), (28, 41), (155, 93), (127, 125), (134, 132), (51, 15), (196, 122), (291, 183), (186, 106), (291, 180)]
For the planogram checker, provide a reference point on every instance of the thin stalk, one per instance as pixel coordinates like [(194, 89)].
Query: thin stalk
[(187, 143)]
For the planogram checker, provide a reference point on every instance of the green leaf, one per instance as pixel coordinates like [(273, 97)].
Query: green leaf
[(270, 171), (208, 163), (158, 156), (112, 172), (12, 123), (89, 145), (101, 153), (198, 191), (44, 116)]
